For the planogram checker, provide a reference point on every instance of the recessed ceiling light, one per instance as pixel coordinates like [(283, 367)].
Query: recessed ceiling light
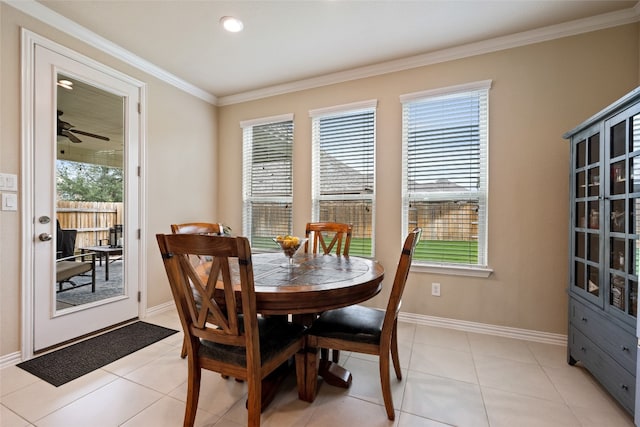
[(231, 24), (65, 84)]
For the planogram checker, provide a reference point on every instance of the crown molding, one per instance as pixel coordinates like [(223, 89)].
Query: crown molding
[(59, 22), (571, 28)]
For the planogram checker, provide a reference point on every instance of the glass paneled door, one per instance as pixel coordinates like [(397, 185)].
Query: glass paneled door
[(587, 226), (86, 197), (622, 203)]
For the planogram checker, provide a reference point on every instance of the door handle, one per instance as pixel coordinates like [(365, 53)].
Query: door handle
[(45, 237)]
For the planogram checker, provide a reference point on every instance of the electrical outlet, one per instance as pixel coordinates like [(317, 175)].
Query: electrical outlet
[(435, 289)]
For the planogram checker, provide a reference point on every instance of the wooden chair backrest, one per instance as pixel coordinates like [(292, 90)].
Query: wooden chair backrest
[(400, 280), (228, 260), (196, 228), (319, 233)]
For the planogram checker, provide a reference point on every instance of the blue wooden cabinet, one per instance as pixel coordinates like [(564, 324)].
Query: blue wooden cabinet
[(604, 236)]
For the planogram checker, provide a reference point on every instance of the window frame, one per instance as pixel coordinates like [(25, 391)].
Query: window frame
[(248, 198), (481, 269), (316, 197)]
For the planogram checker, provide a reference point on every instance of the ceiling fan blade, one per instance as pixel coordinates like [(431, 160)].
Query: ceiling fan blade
[(71, 136), (92, 135)]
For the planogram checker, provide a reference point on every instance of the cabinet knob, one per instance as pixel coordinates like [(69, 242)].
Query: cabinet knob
[(624, 387), (583, 349), (584, 319), (624, 348)]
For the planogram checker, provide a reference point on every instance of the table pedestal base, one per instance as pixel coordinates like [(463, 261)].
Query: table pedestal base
[(334, 374), (331, 372)]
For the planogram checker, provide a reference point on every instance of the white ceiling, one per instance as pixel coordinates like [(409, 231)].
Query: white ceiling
[(288, 41)]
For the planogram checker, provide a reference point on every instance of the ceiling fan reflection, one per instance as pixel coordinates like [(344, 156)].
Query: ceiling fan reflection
[(66, 129)]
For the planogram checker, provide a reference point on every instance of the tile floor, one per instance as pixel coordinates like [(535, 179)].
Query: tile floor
[(451, 378)]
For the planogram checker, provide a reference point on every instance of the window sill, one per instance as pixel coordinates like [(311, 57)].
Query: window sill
[(452, 270)]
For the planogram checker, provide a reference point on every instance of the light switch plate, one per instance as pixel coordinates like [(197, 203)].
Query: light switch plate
[(9, 202), (9, 182)]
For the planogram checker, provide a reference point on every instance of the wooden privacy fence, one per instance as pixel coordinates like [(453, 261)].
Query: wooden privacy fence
[(268, 217), (91, 219), (447, 221)]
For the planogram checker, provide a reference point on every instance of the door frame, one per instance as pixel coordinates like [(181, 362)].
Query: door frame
[(29, 41)]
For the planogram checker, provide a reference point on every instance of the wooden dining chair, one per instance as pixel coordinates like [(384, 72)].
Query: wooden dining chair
[(195, 228), (224, 332), (367, 330), (319, 233)]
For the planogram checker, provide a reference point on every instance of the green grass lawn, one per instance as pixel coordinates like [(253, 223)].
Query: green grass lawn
[(453, 251)]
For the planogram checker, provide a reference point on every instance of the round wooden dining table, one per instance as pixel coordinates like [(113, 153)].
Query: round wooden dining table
[(314, 283)]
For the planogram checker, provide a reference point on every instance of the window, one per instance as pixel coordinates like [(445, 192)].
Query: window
[(266, 180), (444, 141), (343, 170)]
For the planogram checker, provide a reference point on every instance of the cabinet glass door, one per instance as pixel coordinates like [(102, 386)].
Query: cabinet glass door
[(622, 201), (587, 190)]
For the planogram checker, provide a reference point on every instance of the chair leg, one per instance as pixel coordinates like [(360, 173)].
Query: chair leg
[(93, 276), (311, 374), (254, 401), (183, 352), (394, 351), (193, 392), (301, 374), (335, 357), (324, 354), (386, 384)]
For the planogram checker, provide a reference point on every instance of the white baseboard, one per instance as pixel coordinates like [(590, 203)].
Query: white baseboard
[(484, 328), (10, 359), (158, 309)]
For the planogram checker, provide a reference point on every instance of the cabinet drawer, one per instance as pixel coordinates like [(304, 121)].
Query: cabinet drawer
[(610, 336), (617, 380)]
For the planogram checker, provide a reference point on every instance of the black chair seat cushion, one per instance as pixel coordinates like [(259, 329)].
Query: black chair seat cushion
[(353, 323), (276, 333)]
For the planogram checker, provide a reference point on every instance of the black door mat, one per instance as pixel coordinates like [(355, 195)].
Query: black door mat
[(61, 366)]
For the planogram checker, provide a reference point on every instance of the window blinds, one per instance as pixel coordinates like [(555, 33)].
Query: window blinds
[(445, 140), (343, 173), (267, 182)]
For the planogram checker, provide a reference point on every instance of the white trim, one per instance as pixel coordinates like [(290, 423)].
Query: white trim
[(566, 29), (485, 328), (54, 19), (449, 90), (266, 120), (161, 308), (571, 28), (143, 204), (27, 188), (452, 270), (353, 107), (10, 359)]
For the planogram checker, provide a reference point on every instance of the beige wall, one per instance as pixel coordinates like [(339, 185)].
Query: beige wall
[(181, 154), (539, 92)]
